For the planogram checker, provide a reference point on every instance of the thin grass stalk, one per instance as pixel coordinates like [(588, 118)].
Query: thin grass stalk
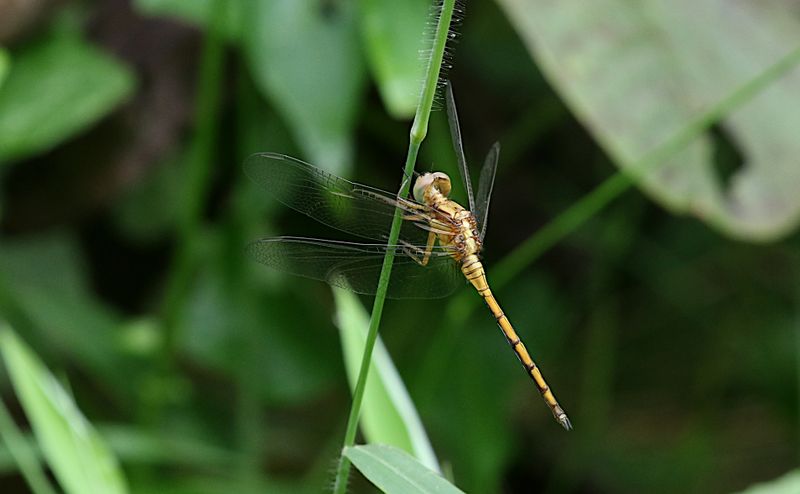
[(419, 130), (198, 171), (592, 203), (460, 307)]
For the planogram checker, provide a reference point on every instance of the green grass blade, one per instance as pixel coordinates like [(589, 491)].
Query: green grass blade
[(388, 415), (786, 484), (78, 457)]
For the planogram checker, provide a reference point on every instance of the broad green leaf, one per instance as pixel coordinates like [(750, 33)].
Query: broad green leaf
[(78, 457), (196, 12), (4, 63), (636, 72), (786, 484), (392, 34), (395, 472), (305, 58), (388, 415), (57, 87)]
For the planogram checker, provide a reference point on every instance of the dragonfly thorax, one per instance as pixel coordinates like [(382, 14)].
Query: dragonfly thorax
[(430, 183)]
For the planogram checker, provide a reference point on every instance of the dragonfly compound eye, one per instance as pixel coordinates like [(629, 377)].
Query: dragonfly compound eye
[(421, 185), (442, 182)]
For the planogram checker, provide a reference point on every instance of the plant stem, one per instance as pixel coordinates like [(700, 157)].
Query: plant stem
[(198, 172), (419, 130)]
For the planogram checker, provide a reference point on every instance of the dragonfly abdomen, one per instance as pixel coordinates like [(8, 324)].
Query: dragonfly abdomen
[(473, 270)]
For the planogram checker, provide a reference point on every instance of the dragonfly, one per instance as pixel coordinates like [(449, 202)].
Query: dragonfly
[(439, 245)]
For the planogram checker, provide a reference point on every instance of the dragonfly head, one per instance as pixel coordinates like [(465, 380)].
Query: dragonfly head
[(425, 181)]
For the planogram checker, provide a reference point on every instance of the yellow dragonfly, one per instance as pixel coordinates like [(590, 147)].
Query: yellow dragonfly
[(440, 241)]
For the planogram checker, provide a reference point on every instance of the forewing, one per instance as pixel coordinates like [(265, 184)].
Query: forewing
[(341, 204), (357, 266), (485, 187), (458, 146)]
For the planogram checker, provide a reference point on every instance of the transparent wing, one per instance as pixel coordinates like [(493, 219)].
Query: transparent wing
[(357, 267), (347, 206), (485, 187), (458, 147)]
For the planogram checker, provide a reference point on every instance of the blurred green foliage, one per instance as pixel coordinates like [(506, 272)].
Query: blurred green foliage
[(75, 453), (673, 347), (57, 86)]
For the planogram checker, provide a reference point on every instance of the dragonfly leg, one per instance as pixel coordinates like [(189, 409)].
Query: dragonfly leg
[(406, 179), (405, 203), (426, 254)]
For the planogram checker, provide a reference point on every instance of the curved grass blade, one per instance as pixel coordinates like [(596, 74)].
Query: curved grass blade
[(395, 472), (78, 457), (786, 484), (388, 415)]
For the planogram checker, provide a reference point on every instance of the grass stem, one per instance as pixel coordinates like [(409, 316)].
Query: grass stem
[(419, 130), (198, 172)]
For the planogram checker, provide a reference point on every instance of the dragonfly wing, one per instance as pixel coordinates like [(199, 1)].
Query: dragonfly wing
[(485, 186), (458, 147), (351, 207), (357, 266)]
